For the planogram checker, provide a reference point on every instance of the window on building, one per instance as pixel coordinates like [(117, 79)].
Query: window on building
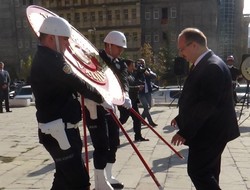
[(84, 17), (51, 2), (27, 44), (134, 36), (109, 15), (117, 15), (77, 17), (156, 38), (147, 14), (17, 3), (100, 15), (18, 23), (27, 2), (127, 35), (164, 13), (133, 13), (156, 14), (34, 43), (125, 14), (25, 23), (148, 38), (173, 36), (68, 17), (20, 44), (92, 16), (75, 2), (164, 16), (173, 12), (67, 2)]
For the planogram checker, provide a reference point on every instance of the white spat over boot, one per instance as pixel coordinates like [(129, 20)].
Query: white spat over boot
[(101, 182), (111, 179)]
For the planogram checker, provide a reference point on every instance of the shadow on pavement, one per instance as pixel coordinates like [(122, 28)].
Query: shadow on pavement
[(162, 164), (169, 129), (43, 170)]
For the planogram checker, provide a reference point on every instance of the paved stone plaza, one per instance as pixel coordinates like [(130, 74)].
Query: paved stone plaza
[(24, 163)]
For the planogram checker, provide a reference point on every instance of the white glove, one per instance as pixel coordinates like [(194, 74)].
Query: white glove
[(108, 105), (127, 103), (91, 106)]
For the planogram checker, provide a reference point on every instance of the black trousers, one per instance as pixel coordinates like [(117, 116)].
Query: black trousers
[(71, 173), (124, 115), (4, 96), (104, 134), (204, 163)]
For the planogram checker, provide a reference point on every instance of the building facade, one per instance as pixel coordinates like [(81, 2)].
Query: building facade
[(16, 39), (156, 22), (220, 20), (94, 19)]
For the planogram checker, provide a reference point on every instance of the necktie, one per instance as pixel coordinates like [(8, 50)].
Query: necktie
[(191, 68)]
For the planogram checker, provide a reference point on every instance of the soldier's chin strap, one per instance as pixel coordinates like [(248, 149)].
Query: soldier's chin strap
[(57, 44)]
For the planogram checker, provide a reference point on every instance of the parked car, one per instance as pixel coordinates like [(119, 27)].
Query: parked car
[(25, 92), (242, 94), (168, 95)]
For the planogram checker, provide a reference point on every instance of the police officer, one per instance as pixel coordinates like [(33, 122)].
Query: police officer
[(103, 130), (55, 88)]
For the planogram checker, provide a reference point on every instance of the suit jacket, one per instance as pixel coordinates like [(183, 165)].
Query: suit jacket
[(206, 109)]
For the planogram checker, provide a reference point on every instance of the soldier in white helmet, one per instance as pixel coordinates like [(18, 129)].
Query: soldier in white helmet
[(55, 88), (103, 130)]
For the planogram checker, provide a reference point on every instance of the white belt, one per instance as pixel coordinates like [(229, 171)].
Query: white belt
[(72, 126)]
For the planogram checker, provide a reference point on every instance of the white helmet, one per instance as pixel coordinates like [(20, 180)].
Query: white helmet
[(55, 26), (116, 38)]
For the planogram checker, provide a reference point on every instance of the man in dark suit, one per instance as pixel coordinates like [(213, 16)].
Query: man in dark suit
[(4, 88), (206, 119)]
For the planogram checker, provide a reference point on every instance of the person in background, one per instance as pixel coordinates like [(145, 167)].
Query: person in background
[(134, 87), (104, 131), (207, 119), (56, 88), (4, 88), (235, 74), (145, 75)]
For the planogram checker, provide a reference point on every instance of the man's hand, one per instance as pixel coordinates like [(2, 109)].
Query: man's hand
[(178, 140), (141, 87), (108, 105), (173, 123)]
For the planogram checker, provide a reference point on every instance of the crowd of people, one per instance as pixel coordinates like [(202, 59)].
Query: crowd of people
[(206, 120)]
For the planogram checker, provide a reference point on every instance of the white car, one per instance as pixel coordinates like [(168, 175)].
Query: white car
[(168, 95), (25, 92)]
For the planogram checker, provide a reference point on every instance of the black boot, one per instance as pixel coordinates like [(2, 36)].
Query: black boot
[(139, 138), (153, 124)]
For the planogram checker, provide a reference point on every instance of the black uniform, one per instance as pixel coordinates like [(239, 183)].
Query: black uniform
[(55, 88), (104, 131), (124, 113)]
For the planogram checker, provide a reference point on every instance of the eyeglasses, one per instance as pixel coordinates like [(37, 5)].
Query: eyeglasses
[(186, 45)]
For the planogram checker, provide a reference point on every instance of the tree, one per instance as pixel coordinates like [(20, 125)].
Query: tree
[(148, 55), (165, 67), (25, 69)]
